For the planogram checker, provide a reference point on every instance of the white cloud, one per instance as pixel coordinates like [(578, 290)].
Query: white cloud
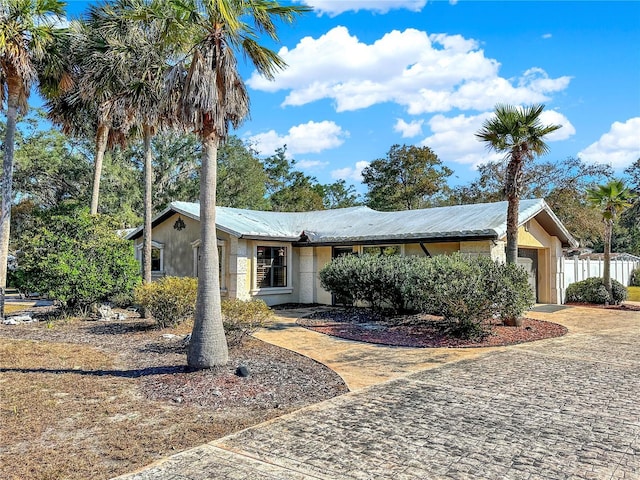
[(552, 117), (334, 7), (311, 164), (408, 130), (547, 36), (424, 73), (350, 173), (619, 147), (310, 137), (453, 139)]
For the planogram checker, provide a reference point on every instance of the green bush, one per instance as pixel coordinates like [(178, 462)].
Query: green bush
[(634, 280), (508, 287), (376, 280), (122, 299), (170, 300), (465, 291), (76, 259), (592, 290), (453, 286), (242, 318)]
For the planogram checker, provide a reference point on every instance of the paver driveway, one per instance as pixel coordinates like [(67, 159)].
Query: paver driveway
[(566, 408)]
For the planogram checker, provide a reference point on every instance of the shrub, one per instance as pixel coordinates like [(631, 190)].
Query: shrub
[(76, 259), (170, 300), (453, 286), (592, 290), (467, 291), (634, 280), (122, 299), (508, 287), (242, 318), (374, 279)]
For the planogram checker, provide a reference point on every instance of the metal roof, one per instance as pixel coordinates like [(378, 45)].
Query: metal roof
[(362, 224)]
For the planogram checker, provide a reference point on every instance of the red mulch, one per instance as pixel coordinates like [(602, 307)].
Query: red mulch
[(422, 331), (625, 306)]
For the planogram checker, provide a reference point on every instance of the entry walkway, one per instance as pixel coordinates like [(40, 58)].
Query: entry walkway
[(359, 364), (564, 408)]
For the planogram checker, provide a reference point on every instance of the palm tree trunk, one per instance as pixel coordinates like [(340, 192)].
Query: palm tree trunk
[(101, 146), (208, 345), (7, 183), (606, 273), (148, 206), (513, 197)]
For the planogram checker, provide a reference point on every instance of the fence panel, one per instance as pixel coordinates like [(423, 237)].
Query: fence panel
[(577, 270)]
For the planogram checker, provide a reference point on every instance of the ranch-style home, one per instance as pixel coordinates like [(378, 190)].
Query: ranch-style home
[(276, 256)]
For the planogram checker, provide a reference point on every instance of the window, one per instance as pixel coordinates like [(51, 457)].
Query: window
[(271, 267), (155, 260), (157, 256), (382, 250)]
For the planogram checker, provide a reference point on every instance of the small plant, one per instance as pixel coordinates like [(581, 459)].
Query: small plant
[(634, 280), (170, 300), (592, 290), (242, 318), (122, 299)]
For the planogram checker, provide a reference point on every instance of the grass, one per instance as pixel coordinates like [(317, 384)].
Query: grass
[(634, 294)]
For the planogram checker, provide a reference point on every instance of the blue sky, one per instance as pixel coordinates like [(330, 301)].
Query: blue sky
[(366, 74)]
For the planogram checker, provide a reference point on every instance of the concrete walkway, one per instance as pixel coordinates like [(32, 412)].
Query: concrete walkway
[(565, 408), (359, 364)]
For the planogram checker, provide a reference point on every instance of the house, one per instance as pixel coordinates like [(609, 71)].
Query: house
[(276, 256)]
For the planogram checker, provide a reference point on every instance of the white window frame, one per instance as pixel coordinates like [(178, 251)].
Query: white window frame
[(195, 246), (255, 290), (154, 244)]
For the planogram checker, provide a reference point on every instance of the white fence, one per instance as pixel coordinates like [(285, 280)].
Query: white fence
[(576, 270)]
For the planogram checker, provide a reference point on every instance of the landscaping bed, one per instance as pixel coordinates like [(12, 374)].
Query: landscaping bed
[(94, 399), (623, 306), (421, 330)]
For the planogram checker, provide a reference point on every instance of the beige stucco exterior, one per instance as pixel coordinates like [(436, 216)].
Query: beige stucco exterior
[(179, 257)]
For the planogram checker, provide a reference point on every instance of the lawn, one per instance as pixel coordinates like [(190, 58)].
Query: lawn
[(89, 399), (634, 294)]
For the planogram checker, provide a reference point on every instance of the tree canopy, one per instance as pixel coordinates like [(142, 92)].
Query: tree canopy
[(408, 178)]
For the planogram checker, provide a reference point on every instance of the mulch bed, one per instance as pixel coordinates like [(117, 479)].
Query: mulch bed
[(421, 331), (623, 307)]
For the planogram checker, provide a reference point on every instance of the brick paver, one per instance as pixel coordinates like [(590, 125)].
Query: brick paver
[(566, 408)]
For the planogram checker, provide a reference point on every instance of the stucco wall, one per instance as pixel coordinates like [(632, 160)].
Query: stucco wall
[(414, 249), (533, 235), (177, 252), (304, 263)]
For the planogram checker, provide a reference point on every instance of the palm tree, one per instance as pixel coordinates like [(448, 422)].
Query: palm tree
[(98, 79), (27, 30), (135, 41), (611, 199), (212, 97), (518, 133)]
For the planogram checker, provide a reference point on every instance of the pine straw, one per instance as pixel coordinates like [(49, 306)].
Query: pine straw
[(91, 408)]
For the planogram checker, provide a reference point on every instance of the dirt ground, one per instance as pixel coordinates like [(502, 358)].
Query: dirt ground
[(94, 399)]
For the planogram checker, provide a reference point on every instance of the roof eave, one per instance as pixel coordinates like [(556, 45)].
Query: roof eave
[(379, 240)]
